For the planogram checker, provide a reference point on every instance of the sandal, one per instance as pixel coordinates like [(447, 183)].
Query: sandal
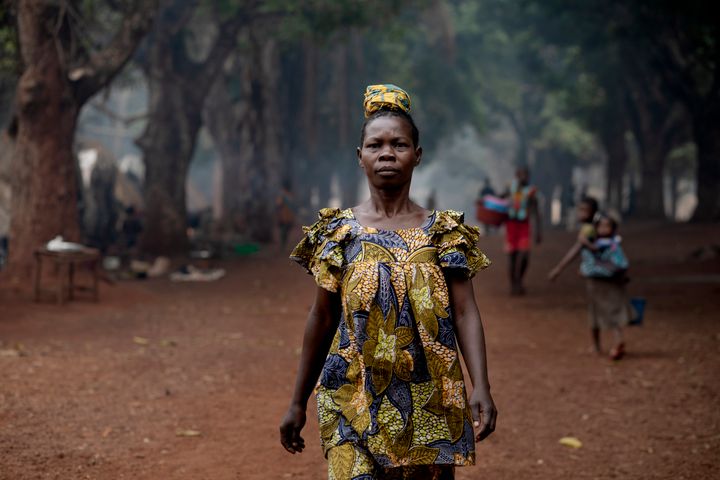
[(618, 352)]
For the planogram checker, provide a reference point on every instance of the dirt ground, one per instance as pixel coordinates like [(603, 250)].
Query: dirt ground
[(189, 381)]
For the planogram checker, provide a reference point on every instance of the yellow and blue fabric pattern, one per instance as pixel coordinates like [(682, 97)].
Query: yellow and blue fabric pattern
[(391, 397), (386, 96)]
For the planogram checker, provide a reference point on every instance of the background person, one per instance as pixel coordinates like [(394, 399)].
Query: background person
[(523, 206), (608, 305), (604, 266), (286, 211)]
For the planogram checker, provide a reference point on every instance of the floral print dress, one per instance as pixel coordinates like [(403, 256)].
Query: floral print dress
[(392, 385)]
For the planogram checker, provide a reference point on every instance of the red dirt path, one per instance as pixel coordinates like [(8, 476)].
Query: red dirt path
[(84, 400)]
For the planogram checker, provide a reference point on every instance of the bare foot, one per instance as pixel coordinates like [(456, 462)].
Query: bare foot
[(617, 352)]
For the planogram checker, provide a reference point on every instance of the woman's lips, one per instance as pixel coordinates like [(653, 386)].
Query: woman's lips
[(387, 172)]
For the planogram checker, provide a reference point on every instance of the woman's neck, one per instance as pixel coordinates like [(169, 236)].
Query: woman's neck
[(390, 203), (390, 210)]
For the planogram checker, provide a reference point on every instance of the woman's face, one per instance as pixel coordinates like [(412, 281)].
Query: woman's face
[(387, 154)]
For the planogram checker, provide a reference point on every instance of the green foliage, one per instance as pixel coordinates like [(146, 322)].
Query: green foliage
[(9, 48), (554, 71), (322, 18)]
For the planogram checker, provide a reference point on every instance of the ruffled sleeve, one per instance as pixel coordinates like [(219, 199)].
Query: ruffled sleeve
[(320, 251), (456, 244)]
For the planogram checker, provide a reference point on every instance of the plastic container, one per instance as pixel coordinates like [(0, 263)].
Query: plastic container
[(244, 249), (638, 305), (492, 210)]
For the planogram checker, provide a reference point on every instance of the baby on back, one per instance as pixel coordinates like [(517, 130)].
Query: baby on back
[(602, 255)]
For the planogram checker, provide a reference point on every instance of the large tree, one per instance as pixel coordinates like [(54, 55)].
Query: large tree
[(304, 65), (243, 119), (60, 71), (676, 43), (683, 43), (650, 113), (9, 62), (179, 83)]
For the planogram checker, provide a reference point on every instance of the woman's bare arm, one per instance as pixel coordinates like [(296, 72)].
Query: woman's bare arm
[(471, 338), (320, 329)]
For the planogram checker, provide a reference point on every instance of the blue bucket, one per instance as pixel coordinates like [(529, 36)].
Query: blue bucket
[(638, 306)]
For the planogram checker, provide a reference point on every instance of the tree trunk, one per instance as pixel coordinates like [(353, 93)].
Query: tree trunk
[(309, 104), (553, 168), (259, 135), (178, 88), (305, 160), (167, 144), (56, 81), (649, 114), (706, 133), (650, 198), (44, 187), (246, 132), (613, 139), (674, 177), (346, 166), (222, 117), (44, 194)]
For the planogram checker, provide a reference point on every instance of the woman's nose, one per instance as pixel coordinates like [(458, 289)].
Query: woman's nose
[(387, 153)]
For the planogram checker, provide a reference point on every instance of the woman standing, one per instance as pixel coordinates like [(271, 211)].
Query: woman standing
[(394, 302)]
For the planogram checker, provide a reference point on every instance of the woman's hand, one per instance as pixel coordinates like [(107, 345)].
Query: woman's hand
[(319, 332), (290, 429), (471, 339), (484, 413)]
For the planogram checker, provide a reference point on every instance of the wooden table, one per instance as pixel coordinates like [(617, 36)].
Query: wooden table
[(65, 263)]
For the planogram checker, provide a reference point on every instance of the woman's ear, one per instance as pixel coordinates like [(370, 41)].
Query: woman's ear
[(418, 154), (359, 157)]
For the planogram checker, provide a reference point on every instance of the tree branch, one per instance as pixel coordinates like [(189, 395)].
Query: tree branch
[(226, 40), (104, 65), (675, 75)]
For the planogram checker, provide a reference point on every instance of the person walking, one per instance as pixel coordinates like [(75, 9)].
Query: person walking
[(393, 309), (523, 206), (604, 267)]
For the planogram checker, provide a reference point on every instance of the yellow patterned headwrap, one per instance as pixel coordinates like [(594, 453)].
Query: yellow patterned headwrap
[(386, 96)]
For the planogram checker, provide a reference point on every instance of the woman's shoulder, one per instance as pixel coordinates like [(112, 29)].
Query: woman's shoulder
[(457, 243), (449, 227), (329, 213), (331, 223), (330, 218), (321, 249), (455, 215), (447, 220)]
